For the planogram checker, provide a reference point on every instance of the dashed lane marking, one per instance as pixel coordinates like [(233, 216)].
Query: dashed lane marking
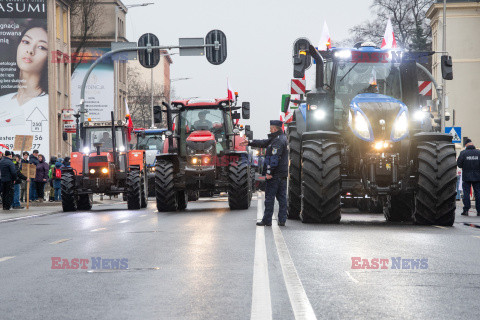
[(261, 299), (351, 277), (124, 221), (99, 229), (441, 227), (302, 309), (6, 258), (60, 241)]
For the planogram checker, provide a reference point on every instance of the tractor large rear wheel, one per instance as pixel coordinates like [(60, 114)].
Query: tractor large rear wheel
[(165, 186), (69, 201), (321, 181), (84, 202), (134, 190), (239, 185), (294, 173), (437, 178), (144, 194)]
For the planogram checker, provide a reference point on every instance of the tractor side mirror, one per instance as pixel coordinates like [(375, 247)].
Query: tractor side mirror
[(157, 114), (249, 134), (447, 67), (246, 110), (285, 102), (235, 116), (247, 128)]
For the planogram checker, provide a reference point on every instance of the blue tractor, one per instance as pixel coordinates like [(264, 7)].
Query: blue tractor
[(362, 133)]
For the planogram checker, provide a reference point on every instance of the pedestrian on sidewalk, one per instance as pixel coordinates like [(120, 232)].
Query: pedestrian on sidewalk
[(57, 180), (275, 169), (20, 178), (9, 175), (53, 161), (41, 177), (23, 186), (469, 162), (33, 159)]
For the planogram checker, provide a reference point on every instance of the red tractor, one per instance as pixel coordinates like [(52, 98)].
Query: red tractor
[(105, 166), (202, 153)]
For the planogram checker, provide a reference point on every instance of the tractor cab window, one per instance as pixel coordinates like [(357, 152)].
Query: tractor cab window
[(150, 142), (103, 136), (353, 78)]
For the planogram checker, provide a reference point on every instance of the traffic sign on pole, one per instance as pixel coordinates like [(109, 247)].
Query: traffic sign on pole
[(455, 132), (298, 86), (149, 58)]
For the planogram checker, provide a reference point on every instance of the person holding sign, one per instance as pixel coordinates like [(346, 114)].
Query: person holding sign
[(9, 175)]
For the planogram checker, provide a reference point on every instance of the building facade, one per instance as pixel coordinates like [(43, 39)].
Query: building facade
[(463, 44)]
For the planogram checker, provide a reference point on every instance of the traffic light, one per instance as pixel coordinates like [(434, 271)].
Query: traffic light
[(447, 67), (157, 114)]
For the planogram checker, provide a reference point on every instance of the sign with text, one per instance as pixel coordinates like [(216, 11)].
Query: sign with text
[(24, 48), (23, 143)]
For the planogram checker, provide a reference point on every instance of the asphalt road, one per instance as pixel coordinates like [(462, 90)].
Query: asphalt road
[(212, 263)]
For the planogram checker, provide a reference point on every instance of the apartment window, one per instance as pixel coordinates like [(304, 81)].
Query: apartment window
[(65, 26), (58, 16)]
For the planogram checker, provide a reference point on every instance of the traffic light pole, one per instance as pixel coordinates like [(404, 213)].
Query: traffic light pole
[(112, 52)]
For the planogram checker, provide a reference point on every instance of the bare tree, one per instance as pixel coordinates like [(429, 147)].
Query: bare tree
[(139, 98), (408, 20), (85, 19)]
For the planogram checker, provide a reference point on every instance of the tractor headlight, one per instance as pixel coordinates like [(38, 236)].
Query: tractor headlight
[(86, 150), (319, 114), (400, 126), (104, 170), (194, 161), (362, 127), (92, 171), (152, 169), (419, 115)]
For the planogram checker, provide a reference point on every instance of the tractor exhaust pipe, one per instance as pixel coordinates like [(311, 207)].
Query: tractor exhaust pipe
[(114, 140), (169, 125)]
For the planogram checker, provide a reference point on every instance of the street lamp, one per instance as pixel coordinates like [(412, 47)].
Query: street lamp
[(115, 105)]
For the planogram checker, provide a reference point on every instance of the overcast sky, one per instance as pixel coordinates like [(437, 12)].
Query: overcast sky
[(260, 34)]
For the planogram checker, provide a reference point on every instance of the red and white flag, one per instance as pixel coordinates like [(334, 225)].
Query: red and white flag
[(230, 93), (389, 41), (130, 122), (325, 41)]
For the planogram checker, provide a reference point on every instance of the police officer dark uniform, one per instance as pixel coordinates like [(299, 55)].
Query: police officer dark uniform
[(469, 162), (9, 175), (275, 169)]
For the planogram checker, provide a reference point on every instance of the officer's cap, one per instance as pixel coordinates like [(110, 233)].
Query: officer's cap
[(277, 123)]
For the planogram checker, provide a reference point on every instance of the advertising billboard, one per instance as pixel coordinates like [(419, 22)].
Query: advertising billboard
[(24, 51), (99, 92)]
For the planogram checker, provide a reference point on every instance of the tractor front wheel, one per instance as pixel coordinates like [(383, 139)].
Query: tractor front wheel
[(69, 202), (239, 185), (134, 190), (84, 202), (165, 186)]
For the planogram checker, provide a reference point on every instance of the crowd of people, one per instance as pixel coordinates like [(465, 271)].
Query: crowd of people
[(14, 182)]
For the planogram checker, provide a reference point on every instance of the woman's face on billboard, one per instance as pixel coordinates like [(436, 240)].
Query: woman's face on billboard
[(32, 52)]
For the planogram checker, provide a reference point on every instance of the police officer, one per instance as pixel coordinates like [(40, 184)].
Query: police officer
[(469, 162), (9, 175), (275, 169)]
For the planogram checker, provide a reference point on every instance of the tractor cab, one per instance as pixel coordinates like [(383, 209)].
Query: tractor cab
[(98, 135)]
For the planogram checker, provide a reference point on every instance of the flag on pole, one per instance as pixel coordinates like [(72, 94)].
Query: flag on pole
[(325, 41), (389, 41), (130, 122), (230, 93)]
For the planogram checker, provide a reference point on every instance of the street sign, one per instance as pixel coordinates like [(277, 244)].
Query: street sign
[(123, 56), (217, 54), (298, 86), (148, 58), (456, 133), (22, 143), (191, 52), (302, 44)]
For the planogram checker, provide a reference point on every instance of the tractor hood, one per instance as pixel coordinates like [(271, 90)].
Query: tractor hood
[(378, 117), (201, 136)]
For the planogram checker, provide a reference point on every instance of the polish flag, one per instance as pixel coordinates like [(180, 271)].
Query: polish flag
[(230, 94), (388, 41), (128, 116), (325, 42)]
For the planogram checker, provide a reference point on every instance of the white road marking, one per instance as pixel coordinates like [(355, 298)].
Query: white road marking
[(302, 309), (6, 258), (99, 229), (60, 241), (261, 300), (124, 221), (351, 277), (476, 237), (441, 227), (143, 215)]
